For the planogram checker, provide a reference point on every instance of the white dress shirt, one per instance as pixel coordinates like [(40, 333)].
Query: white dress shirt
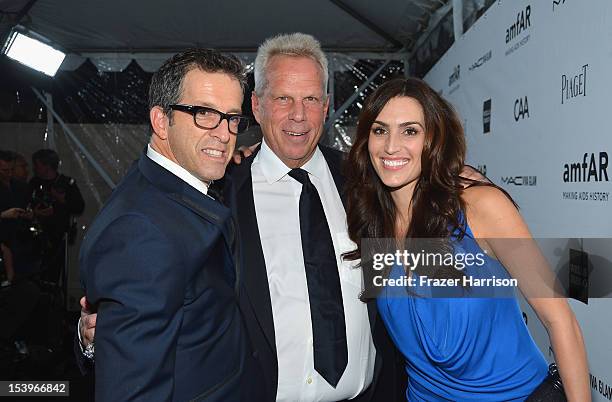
[(276, 197), (177, 170)]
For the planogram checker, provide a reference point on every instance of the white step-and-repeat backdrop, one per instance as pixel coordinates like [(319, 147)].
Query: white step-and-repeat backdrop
[(532, 81)]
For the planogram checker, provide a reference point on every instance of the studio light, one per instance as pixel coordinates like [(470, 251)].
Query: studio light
[(33, 50)]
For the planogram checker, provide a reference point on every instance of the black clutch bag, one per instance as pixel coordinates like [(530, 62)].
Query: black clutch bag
[(551, 389)]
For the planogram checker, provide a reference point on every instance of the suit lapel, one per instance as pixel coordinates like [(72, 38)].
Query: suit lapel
[(218, 215), (202, 205), (334, 161), (255, 274)]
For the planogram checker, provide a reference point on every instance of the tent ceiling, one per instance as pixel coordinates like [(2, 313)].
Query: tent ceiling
[(111, 26)]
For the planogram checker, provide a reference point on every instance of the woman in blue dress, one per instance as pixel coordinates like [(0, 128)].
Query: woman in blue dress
[(404, 183)]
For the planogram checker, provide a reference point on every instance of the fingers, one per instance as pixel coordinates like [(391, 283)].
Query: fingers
[(12, 213), (89, 322), (243, 152), (88, 335), (249, 151), (237, 157), (87, 327), (85, 306)]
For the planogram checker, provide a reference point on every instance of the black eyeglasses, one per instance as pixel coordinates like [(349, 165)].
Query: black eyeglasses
[(209, 118)]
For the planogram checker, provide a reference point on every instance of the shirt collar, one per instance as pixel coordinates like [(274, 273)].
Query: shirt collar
[(274, 169), (177, 170)]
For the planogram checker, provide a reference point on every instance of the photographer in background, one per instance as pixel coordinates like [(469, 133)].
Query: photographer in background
[(14, 198), (55, 200)]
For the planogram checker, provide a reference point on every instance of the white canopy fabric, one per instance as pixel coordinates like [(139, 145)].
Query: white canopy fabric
[(112, 33)]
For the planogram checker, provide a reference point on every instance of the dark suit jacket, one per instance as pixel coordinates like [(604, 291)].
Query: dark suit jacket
[(160, 260), (387, 384)]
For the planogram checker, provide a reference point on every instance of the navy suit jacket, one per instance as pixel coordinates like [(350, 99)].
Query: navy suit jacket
[(161, 260), (389, 378)]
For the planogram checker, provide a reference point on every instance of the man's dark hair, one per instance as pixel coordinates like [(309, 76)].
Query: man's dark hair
[(7, 156), (47, 157), (167, 82)]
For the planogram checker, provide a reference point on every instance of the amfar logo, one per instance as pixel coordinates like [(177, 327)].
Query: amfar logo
[(591, 168), (486, 116), (574, 85), (520, 180), (454, 77), (482, 60), (557, 3), (523, 21), (521, 109)]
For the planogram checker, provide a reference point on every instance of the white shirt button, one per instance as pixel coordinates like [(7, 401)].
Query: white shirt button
[(309, 380)]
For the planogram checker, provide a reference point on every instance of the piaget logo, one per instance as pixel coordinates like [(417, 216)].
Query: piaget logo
[(574, 85)]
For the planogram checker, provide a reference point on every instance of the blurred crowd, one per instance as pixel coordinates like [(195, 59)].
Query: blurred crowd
[(37, 225)]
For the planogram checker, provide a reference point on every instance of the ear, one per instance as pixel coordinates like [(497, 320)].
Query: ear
[(255, 104), (326, 106), (159, 122)]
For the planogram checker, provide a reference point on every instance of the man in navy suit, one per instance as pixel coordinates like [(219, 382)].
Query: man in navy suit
[(161, 261)]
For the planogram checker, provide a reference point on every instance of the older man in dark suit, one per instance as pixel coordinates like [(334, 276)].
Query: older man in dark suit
[(161, 259), (315, 339)]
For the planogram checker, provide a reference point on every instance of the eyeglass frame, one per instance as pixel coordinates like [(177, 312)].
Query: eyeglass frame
[(194, 109)]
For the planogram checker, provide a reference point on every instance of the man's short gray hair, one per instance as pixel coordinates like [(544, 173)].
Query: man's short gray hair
[(294, 44)]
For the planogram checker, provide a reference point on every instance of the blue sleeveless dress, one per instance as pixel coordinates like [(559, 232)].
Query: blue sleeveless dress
[(462, 349)]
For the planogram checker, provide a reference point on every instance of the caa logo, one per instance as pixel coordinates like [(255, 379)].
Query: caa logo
[(521, 109)]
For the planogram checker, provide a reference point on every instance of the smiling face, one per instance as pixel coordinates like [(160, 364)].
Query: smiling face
[(204, 153), (396, 141), (292, 108)]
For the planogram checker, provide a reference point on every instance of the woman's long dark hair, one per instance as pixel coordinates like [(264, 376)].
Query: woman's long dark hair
[(436, 203)]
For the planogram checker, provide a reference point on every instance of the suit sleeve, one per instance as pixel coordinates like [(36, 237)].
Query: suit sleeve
[(134, 272)]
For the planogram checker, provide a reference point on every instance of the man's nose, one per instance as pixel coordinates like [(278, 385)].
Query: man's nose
[(297, 112)]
